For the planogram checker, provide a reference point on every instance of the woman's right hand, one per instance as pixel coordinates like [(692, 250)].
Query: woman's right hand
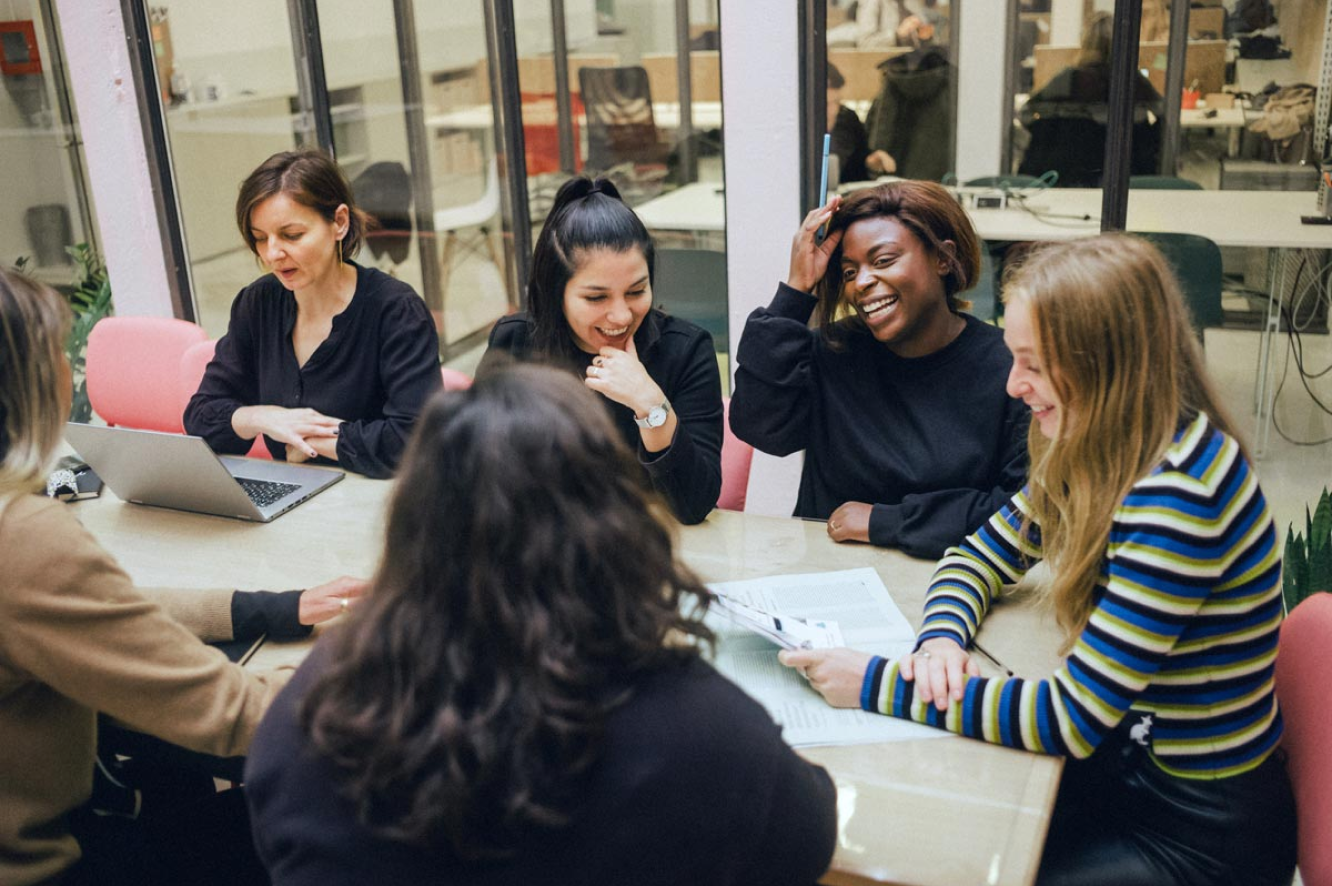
[(937, 668), (809, 258), (288, 426)]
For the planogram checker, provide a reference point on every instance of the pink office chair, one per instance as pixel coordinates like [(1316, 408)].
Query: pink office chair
[(736, 456), (1303, 674), (193, 363), (455, 380), (134, 370)]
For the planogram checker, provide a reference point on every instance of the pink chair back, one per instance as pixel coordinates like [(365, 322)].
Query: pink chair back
[(193, 363), (736, 457), (1303, 675), (134, 370), (454, 380)]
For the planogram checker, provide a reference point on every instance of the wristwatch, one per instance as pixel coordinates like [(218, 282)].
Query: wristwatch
[(656, 416)]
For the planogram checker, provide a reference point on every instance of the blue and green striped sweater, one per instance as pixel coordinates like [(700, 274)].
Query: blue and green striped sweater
[(1184, 626)]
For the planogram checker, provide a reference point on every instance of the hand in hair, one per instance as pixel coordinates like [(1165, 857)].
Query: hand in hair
[(937, 668), (620, 376), (809, 259), (836, 674), (322, 602), (850, 522), (289, 426)]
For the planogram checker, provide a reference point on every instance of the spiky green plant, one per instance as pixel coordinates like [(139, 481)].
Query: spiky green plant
[(1308, 561), (90, 301)]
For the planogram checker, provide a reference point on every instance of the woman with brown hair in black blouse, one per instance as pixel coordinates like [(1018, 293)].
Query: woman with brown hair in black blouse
[(327, 359)]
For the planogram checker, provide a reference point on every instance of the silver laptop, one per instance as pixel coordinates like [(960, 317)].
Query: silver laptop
[(182, 472)]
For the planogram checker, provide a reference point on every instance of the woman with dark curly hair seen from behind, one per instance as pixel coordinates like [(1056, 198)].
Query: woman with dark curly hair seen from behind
[(590, 312), (522, 698), (326, 359), (897, 398)]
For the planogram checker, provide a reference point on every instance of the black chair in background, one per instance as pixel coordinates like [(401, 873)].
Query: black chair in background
[(1196, 262), (384, 190), (622, 132)]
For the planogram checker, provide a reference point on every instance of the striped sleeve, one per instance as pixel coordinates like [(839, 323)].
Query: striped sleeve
[(972, 574), (1185, 626)]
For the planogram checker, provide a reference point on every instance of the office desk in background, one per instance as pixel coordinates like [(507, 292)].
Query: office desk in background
[(666, 115), (913, 812)]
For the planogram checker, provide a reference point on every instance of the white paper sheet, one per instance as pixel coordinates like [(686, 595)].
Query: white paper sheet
[(869, 620)]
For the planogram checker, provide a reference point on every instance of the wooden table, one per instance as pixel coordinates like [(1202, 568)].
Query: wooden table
[(916, 812)]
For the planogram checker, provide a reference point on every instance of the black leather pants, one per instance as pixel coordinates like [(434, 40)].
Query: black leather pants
[(1119, 819)]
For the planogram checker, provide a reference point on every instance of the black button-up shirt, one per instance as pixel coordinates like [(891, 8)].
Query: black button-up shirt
[(375, 370)]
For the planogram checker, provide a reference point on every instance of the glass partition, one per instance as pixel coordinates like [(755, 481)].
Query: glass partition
[(1224, 162), (637, 119), (228, 80), (47, 207), (892, 89)]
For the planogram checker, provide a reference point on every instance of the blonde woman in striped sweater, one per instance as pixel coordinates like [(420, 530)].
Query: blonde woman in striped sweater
[(1166, 584)]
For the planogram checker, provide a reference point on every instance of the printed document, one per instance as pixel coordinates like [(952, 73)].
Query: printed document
[(868, 619)]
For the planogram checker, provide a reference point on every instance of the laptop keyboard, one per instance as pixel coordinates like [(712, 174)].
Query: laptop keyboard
[(264, 492)]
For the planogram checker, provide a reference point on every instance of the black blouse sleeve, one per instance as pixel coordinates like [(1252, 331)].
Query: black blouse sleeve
[(688, 472), (409, 373), (926, 524), (229, 382), (772, 402), (275, 613)]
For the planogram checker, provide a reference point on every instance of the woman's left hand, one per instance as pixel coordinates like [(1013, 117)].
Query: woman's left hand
[(324, 601), (836, 674), (619, 376), (850, 522)]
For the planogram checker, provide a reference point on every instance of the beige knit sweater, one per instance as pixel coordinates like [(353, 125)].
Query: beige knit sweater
[(77, 637)]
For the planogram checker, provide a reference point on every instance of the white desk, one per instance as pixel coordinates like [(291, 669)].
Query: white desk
[(707, 115), (916, 812), (1229, 218)]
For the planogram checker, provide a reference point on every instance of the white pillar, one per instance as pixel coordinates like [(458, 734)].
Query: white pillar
[(97, 50), (760, 83), (981, 115)]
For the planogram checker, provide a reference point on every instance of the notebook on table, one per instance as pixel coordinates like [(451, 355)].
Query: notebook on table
[(181, 472)]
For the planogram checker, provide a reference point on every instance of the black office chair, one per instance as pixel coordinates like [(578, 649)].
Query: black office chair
[(691, 284), (1196, 262), (621, 129), (384, 190)]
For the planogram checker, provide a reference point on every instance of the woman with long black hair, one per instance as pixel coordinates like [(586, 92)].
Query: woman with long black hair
[(590, 311)]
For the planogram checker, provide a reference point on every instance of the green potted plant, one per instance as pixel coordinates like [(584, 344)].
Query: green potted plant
[(89, 300), (1308, 560)]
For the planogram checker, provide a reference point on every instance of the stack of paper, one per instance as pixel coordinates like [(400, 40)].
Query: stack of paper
[(852, 602)]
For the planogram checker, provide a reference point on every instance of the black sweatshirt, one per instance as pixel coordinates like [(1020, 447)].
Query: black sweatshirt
[(374, 371), (680, 358), (692, 785), (934, 443)]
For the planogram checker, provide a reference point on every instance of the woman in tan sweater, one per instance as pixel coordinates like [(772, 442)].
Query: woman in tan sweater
[(76, 636)]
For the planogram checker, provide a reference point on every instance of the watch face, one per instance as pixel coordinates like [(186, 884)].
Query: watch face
[(656, 417)]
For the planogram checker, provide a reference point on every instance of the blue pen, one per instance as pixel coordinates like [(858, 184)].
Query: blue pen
[(823, 184)]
